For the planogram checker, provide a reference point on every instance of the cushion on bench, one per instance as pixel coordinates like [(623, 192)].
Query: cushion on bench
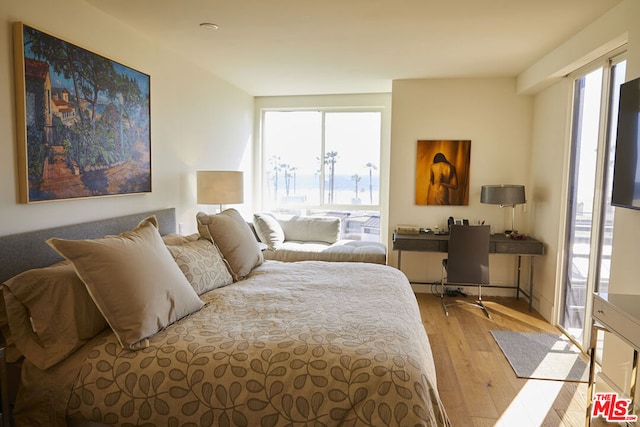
[(302, 238)]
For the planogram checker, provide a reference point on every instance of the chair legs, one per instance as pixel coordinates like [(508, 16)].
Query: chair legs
[(442, 288), (478, 302), (444, 306)]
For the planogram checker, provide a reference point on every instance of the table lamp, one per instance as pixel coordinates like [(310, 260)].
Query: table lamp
[(219, 187), (504, 195)]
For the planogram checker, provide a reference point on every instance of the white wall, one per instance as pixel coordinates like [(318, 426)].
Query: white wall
[(496, 120), (548, 185), (550, 138), (625, 268), (197, 120)]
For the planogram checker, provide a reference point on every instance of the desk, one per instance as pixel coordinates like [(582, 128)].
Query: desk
[(499, 244), (618, 314)]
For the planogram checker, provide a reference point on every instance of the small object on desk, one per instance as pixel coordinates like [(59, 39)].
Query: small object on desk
[(407, 229), (426, 230)]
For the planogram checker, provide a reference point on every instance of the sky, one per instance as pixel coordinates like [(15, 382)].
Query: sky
[(296, 137)]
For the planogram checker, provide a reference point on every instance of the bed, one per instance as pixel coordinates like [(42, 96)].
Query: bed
[(305, 343)]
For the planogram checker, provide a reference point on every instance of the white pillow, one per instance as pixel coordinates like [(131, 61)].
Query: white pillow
[(268, 230), (312, 229)]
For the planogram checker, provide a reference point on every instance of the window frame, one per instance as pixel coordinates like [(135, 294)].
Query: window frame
[(323, 206), (607, 63)]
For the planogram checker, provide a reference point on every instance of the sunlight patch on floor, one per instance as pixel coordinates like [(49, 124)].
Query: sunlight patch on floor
[(531, 405), (559, 365)]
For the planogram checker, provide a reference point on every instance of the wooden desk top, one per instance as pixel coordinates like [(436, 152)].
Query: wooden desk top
[(499, 244)]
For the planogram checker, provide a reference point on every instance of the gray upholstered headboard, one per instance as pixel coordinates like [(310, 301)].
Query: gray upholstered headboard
[(24, 251)]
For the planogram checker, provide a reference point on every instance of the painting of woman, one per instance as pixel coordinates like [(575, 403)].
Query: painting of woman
[(442, 173)]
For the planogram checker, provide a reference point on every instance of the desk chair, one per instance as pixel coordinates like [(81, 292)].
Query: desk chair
[(468, 261)]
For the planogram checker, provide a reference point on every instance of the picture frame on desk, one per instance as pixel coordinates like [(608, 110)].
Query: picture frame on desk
[(407, 229)]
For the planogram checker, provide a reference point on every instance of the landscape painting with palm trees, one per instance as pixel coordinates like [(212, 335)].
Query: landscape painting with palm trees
[(83, 121)]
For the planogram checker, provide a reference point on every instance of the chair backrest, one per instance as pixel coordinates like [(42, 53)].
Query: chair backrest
[(468, 260)]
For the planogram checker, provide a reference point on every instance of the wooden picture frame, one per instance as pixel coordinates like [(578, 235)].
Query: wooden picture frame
[(83, 121), (442, 172)]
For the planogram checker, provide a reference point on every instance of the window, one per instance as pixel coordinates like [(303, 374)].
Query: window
[(324, 163), (589, 214)]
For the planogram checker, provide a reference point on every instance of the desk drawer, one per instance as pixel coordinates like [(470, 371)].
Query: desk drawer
[(521, 247), (620, 324), (420, 245)]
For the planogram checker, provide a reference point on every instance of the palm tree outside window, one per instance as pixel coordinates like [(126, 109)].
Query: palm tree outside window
[(314, 163)]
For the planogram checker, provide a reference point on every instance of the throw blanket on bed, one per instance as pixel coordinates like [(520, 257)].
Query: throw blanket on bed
[(308, 343)]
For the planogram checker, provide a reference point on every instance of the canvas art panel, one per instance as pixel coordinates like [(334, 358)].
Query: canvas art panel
[(83, 121), (442, 172)]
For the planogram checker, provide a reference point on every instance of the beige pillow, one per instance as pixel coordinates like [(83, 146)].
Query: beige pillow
[(133, 280), (11, 352), (175, 239), (50, 313), (202, 265), (232, 235), (268, 230)]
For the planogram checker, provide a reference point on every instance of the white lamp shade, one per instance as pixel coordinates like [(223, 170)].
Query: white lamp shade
[(502, 194), (220, 187)]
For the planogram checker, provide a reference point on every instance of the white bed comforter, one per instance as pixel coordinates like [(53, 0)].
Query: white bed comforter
[(306, 343)]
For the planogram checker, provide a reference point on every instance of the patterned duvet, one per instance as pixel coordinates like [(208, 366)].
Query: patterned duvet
[(307, 343)]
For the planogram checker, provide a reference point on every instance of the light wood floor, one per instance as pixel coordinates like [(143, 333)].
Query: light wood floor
[(476, 382)]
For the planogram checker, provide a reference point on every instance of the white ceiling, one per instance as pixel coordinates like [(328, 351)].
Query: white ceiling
[(293, 47)]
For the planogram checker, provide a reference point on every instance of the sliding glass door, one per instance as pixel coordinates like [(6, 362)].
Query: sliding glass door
[(589, 226)]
